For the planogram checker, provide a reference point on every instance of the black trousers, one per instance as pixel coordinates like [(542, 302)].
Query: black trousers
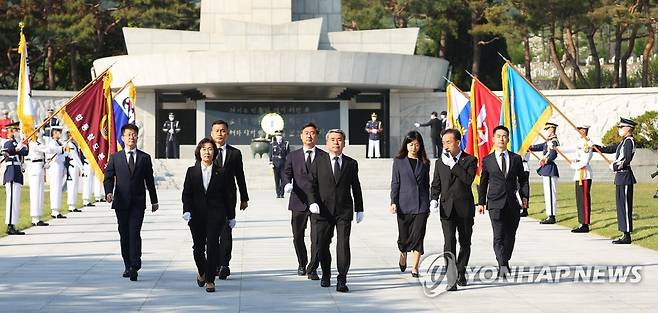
[(325, 232), (171, 149), (298, 221), (411, 232), (584, 201), (205, 233), (278, 179), (463, 227), (437, 146), (226, 237), (624, 208), (130, 225), (504, 224)]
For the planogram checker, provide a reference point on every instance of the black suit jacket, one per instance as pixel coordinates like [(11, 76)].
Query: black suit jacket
[(233, 172), (302, 180), (129, 191), (496, 190), (335, 197), (454, 186), (202, 203), (410, 188)]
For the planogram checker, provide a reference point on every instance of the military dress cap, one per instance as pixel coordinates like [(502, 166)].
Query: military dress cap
[(56, 127), (51, 110), (14, 125), (550, 125), (278, 132), (583, 126), (626, 122), (444, 113), (171, 113), (373, 114)]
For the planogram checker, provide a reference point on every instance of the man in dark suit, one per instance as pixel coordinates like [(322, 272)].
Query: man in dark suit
[(437, 125), (299, 183), (451, 186), (229, 159), (128, 173), (335, 180), (500, 179), (279, 149)]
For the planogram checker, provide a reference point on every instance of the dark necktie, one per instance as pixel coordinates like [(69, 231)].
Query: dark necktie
[(503, 164), (220, 157), (131, 162), (336, 169), (308, 160)]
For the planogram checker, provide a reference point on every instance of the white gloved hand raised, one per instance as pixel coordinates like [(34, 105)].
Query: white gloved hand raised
[(231, 223), (314, 208), (187, 216), (417, 124), (434, 206), (359, 217), (448, 161), (287, 188)]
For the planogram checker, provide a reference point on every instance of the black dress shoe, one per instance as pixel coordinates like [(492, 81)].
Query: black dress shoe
[(224, 272), (42, 223), (201, 282), (582, 229), (313, 275), (461, 280), (90, 204), (451, 288), (210, 287), (623, 240), (415, 275), (133, 274), (301, 271), (76, 210), (325, 283), (11, 230), (342, 287), (58, 216), (126, 274), (402, 267), (524, 212), (548, 220)]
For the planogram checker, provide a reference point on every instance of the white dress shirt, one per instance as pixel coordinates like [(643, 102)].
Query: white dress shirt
[(134, 151), (340, 161), (500, 164), (312, 154), (206, 172)]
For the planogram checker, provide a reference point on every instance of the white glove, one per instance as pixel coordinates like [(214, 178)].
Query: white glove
[(314, 208), (231, 223), (359, 217), (434, 206), (417, 124), (19, 146), (287, 188), (187, 216), (171, 131), (448, 161)]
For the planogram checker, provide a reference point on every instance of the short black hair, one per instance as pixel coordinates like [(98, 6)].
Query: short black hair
[(309, 124), (457, 135), (197, 151), (132, 127), (219, 122), (501, 127), (434, 113)]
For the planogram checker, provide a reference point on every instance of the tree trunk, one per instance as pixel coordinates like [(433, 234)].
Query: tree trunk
[(572, 53), (74, 69), (646, 53), (624, 58), (477, 51), (556, 61), (527, 59), (595, 55), (619, 31), (50, 59)]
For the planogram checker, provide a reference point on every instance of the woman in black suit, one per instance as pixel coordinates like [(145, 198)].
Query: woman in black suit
[(205, 210), (410, 198)]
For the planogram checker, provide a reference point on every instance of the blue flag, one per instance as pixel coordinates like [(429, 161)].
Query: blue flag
[(123, 107), (525, 109)]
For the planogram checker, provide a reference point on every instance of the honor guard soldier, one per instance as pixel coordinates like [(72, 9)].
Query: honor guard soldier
[(171, 128), (583, 180), (13, 178), (548, 171), (624, 178), (374, 129), (73, 167), (36, 175), (48, 128), (56, 171), (279, 150)]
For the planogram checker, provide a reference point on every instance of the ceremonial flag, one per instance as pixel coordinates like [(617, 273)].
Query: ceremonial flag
[(459, 111), (89, 118), (525, 109), (123, 107), (24, 107), (485, 116)]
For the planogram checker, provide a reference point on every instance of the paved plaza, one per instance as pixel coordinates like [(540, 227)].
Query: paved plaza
[(75, 266)]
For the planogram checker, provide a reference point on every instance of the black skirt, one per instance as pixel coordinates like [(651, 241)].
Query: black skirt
[(411, 231)]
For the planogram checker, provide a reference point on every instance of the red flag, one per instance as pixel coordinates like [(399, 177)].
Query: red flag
[(485, 116), (88, 117)]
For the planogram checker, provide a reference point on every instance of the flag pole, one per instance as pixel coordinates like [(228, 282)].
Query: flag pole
[(77, 95), (556, 148), (553, 106), (122, 88)]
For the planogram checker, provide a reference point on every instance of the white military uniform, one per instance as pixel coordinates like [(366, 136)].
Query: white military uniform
[(73, 174), (35, 171), (87, 183), (56, 174)]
